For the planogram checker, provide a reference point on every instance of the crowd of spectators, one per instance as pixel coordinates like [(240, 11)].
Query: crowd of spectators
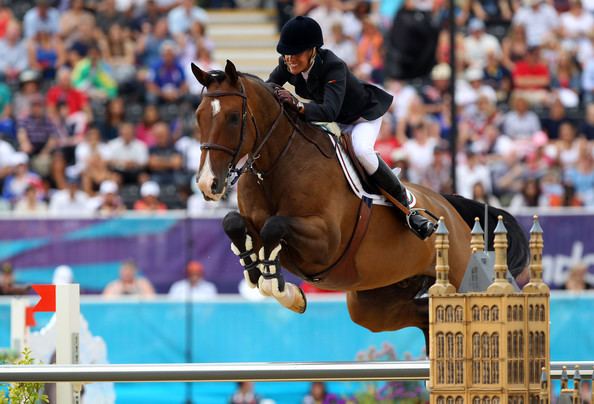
[(96, 100), (96, 104)]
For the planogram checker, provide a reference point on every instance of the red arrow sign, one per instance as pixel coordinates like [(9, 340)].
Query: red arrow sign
[(29, 317), (47, 303)]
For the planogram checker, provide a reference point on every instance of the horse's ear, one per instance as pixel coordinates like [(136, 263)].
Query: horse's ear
[(231, 72), (202, 76)]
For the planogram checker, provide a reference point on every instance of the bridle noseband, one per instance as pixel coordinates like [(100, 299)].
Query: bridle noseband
[(255, 154)]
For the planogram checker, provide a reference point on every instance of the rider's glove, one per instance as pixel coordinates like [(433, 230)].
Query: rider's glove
[(289, 100)]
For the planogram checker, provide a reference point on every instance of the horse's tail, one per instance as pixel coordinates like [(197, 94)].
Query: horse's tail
[(518, 249)]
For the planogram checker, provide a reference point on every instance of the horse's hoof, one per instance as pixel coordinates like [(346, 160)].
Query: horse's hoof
[(300, 301)]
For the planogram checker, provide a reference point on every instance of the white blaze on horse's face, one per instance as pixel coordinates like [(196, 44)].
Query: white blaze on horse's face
[(206, 179), (216, 107)]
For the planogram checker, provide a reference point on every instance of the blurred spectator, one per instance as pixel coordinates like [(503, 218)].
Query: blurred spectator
[(115, 114), (532, 77), (478, 44), (476, 121), (576, 278), (14, 53), (530, 195), (566, 80), (166, 81), (118, 49), (194, 286), (415, 115), (21, 178), (581, 176), (73, 19), (107, 15), (75, 103), (146, 17), (472, 172), (181, 18), (70, 201), (108, 202), (469, 90), (370, 60), (386, 141), (29, 86), (30, 203), (567, 198), (514, 46), (189, 147), (329, 13), (420, 149), (538, 18), (319, 395), (37, 136), (493, 12), (128, 156), (164, 160), (94, 76), (520, 122), (6, 153), (205, 62), (148, 45), (437, 176), (46, 53), (42, 17), (435, 94), (7, 284), (496, 75), (96, 171), (7, 123), (575, 25), (567, 148), (90, 146), (6, 16), (149, 201), (144, 129), (129, 284), (481, 195), (245, 394), (587, 127), (342, 45), (554, 118)]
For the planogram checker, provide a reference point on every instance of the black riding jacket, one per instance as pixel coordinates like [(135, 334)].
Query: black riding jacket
[(337, 94)]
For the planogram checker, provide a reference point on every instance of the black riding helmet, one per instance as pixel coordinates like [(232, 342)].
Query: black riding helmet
[(299, 34)]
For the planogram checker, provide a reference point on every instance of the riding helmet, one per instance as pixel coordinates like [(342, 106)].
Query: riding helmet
[(299, 34)]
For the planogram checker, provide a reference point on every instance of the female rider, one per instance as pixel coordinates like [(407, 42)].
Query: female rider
[(338, 96)]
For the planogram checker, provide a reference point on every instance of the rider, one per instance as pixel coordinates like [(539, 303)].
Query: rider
[(338, 96)]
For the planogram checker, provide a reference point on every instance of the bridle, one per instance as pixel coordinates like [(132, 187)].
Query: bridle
[(255, 154)]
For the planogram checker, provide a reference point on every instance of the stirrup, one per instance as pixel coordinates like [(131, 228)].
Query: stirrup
[(417, 232)]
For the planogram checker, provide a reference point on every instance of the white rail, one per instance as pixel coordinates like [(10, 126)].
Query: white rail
[(225, 372)]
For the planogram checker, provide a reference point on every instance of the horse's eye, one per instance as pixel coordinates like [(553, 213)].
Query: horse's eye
[(233, 118)]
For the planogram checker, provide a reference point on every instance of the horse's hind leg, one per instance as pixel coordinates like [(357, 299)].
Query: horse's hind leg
[(390, 308), (275, 230), (242, 245)]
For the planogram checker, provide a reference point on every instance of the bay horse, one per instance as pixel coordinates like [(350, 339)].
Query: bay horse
[(297, 210)]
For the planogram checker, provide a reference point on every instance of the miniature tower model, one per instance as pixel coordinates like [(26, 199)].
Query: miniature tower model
[(477, 240), (490, 346)]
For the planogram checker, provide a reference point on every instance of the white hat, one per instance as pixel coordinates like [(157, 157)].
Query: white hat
[(473, 74), (150, 188), (19, 158), (441, 71), (63, 275), (108, 187)]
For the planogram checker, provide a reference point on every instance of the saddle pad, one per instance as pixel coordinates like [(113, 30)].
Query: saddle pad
[(355, 183)]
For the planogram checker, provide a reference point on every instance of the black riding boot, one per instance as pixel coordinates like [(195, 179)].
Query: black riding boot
[(389, 182)]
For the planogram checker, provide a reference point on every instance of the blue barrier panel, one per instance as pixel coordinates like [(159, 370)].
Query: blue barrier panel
[(236, 331)]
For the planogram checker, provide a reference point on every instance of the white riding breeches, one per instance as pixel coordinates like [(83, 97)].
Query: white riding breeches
[(364, 134)]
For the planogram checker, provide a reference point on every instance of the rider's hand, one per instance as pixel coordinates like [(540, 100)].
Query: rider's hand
[(287, 99)]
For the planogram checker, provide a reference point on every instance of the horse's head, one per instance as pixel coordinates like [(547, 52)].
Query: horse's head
[(225, 137)]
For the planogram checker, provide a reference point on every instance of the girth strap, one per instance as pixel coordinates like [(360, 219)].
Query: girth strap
[(348, 256)]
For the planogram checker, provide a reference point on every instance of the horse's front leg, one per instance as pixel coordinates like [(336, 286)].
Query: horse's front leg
[(303, 234), (243, 245)]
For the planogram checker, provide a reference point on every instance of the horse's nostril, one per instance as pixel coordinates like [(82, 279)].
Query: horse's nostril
[(213, 186)]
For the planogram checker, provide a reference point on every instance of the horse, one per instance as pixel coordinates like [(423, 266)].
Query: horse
[(297, 211)]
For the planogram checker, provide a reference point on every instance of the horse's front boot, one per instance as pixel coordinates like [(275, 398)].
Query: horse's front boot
[(242, 245), (272, 283)]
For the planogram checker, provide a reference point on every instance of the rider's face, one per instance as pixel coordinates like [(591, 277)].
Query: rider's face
[(300, 62)]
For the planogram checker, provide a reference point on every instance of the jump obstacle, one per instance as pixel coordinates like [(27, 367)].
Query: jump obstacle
[(72, 375)]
